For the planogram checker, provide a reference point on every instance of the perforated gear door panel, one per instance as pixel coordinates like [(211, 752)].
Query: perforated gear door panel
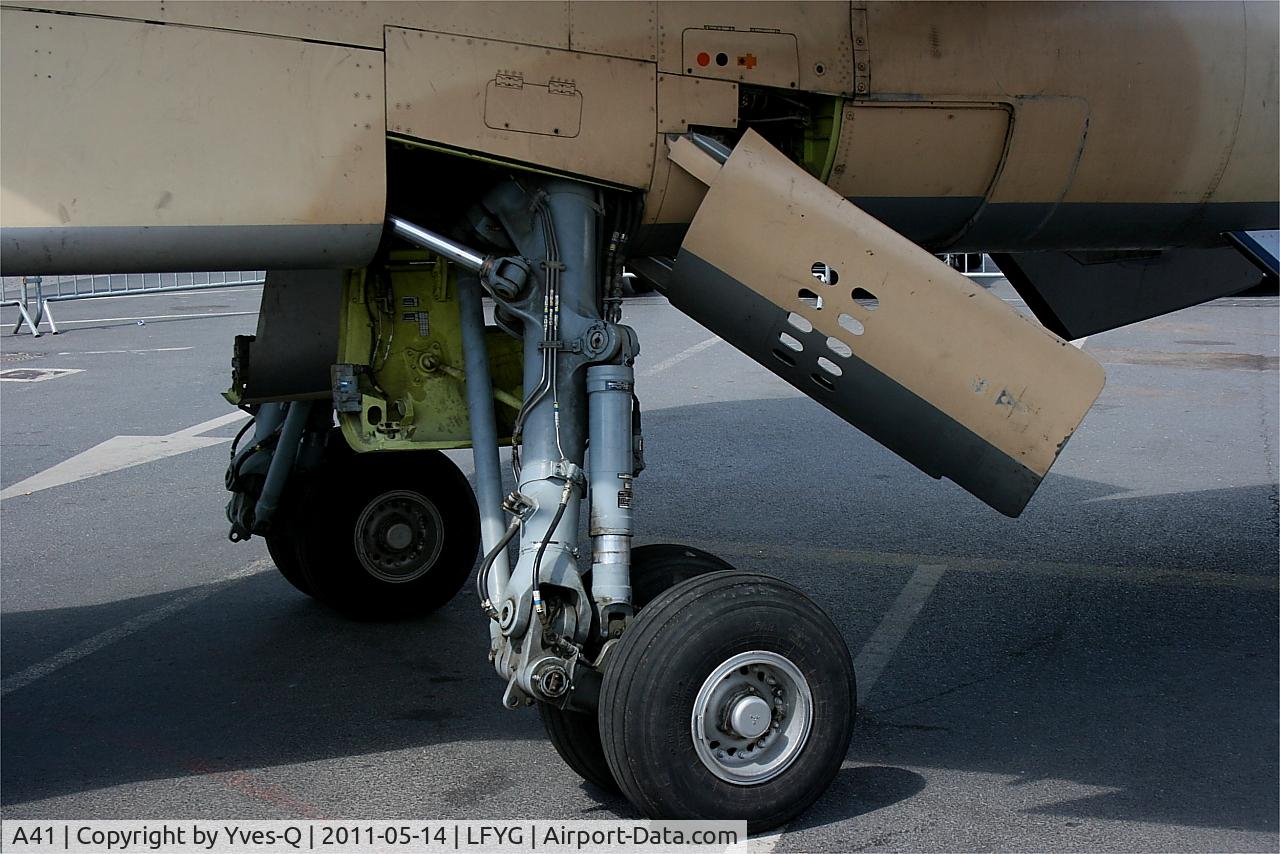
[(875, 328)]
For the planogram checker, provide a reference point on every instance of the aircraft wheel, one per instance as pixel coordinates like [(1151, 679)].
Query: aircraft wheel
[(283, 551), (282, 542), (576, 735), (730, 697), (387, 535)]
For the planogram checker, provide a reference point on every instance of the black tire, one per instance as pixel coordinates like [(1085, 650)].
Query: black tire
[(282, 542), (283, 550), (657, 567), (344, 542), (661, 664), (576, 735)]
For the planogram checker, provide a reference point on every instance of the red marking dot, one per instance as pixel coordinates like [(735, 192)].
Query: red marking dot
[(704, 58)]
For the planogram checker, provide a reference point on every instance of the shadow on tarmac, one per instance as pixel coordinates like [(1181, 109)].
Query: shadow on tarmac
[(1162, 696)]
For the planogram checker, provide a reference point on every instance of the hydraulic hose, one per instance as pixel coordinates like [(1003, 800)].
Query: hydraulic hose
[(565, 495), (482, 576)]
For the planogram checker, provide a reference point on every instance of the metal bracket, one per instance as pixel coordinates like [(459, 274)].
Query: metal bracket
[(514, 697), (505, 278), (346, 389)]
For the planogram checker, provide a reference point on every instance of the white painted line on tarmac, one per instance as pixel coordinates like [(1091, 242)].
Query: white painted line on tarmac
[(884, 641), (132, 352), (763, 844), (869, 664), (672, 361), (122, 452), (159, 317), (1079, 342), (71, 655), (36, 375), (213, 423), (119, 452)]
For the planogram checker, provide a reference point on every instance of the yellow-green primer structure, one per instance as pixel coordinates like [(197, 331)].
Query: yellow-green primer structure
[(400, 335)]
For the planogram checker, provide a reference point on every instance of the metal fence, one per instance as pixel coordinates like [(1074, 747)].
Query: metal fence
[(31, 295), (973, 265), (58, 288)]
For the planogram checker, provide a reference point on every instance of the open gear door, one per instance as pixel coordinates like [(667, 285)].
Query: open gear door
[(875, 328)]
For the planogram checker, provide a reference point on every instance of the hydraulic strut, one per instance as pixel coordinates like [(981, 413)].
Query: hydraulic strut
[(578, 385)]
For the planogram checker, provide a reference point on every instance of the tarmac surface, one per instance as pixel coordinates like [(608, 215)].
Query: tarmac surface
[(1100, 674)]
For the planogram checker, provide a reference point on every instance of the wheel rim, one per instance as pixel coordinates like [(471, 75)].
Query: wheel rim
[(398, 536), (752, 717)]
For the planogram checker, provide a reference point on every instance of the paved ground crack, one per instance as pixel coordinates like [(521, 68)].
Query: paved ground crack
[(1042, 644)]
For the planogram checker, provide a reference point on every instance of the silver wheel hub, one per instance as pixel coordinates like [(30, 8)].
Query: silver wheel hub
[(751, 718), (398, 536)]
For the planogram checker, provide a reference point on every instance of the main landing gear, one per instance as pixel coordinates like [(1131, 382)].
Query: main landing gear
[(660, 671), (696, 690)]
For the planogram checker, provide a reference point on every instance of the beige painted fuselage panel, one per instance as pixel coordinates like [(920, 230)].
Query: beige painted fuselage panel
[(127, 140), (572, 112), (991, 118)]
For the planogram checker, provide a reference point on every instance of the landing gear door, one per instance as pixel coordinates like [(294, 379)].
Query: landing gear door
[(875, 328)]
